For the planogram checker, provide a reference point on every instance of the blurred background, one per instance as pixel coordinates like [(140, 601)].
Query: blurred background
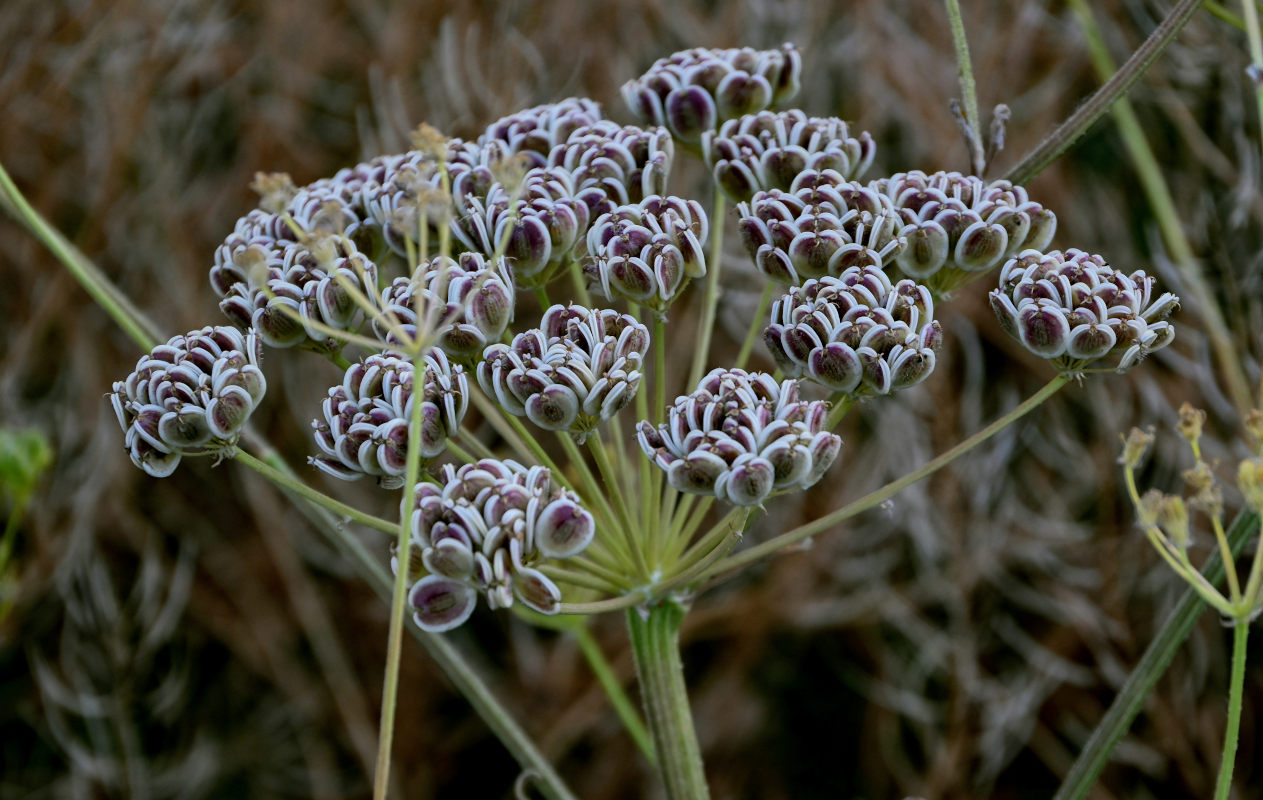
[(194, 637)]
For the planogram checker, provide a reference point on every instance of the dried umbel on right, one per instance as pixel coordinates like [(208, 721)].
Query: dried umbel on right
[(1074, 309)]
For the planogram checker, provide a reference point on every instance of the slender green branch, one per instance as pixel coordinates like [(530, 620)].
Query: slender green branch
[(757, 325), (120, 308), (1240, 632), (287, 481), (968, 91), (1150, 174), (710, 303), (1131, 698), (655, 639), (1077, 123), (613, 687), (621, 603), (758, 552)]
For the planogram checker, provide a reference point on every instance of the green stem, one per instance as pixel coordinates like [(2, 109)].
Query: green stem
[(1240, 631), (1149, 173), (613, 687), (969, 95), (710, 303), (757, 325), (758, 552), (121, 309), (1090, 111), (286, 480), (1256, 52), (394, 641), (636, 548), (655, 640), (1131, 698)]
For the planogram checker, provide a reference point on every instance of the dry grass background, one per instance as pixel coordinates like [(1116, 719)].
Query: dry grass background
[(193, 638)]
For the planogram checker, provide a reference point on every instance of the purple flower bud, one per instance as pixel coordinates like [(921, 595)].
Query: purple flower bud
[(440, 604)]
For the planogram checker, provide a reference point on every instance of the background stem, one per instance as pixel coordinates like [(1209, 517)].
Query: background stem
[(1240, 632)]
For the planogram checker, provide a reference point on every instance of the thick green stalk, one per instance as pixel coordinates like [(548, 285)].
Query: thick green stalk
[(1091, 110), (1157, 657), (655, 640), (968, 91), (874, 498), (1240, 632)]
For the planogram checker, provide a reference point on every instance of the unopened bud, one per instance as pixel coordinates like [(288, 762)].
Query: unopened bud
[(1135, 445), (1250, 481), (1190, 423)]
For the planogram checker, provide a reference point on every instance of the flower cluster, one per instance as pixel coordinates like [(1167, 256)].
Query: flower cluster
[(537, 131), (769, 150), (741, 436), (615, 165), (822, 226), (470, 300), (578, 368), (645, 252), (365, 426), (1072, 308), (957, 226), (693, 91), (487, 529), (856, 334), (189, 396), (534, 225)]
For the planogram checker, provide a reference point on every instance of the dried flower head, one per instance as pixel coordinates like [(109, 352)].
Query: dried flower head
[(535, 227), (487, 529), (470, 301), (645, 252), (1135, 445), (365, 425), (693, 91), (823, 226), (614, 166), (957, 226), (856, 334), (189, 396), (576, 370), (741, 436), (1073, 309), (767, 150)]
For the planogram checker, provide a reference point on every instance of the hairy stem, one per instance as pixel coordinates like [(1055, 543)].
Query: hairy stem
[(1240, 631), (1077, 123), (655, 639)]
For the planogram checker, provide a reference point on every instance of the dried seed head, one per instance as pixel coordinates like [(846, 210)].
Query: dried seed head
[(1074, 309), (1173, 518), (1150, 507), (1254, 428), (275, 190), (427, 140), (1135, 445), (487, 529), (190, 396), (1250, 482), (1190, 423)]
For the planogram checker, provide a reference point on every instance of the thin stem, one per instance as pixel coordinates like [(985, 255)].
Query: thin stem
[(758, 552), (394, 642), (659, 364), (1234, 585), (1240, 632), (655, 639), (125, 314), (286, 480), (1150, 174), (708, 542), (757, 325), (710, 303), (1131, 698), (613, 687), (841, 405), (968, 92), (610, 479), (583, 580), (1256, 54), (1077, 123)]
